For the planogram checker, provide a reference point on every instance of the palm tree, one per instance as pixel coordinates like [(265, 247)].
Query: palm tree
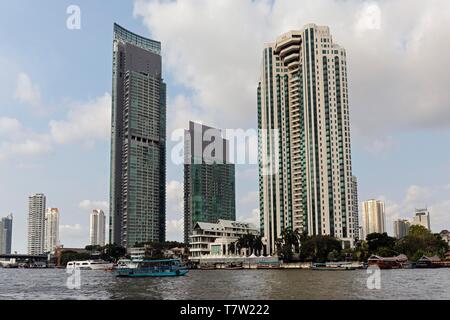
[(232, 247), (258, 245)]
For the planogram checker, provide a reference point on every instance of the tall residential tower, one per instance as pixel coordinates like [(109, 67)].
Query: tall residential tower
[(138, 141), (97, 228), (209, 178), (51, 230), (304, 146), (36, 214), (373, 217)]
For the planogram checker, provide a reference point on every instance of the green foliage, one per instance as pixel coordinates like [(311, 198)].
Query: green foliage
[(318, 248), (73, 256), (420, 241), (377, 241), (253, 244), (288, 244)]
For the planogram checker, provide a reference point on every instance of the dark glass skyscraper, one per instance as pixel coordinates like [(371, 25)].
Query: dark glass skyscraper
[(209, 178), (138, 141), (6, 234)]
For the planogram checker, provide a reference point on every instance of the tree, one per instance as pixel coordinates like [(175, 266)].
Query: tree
[(420, 241), (112, 252), (376, 241), (318, 248)]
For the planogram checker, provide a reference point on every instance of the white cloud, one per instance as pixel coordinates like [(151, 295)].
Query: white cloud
[(27, 92), (85, 122), (215, 48), (90, 205), (253, 217), (175, 197), (15, 140), (9, 126), (174, 230), (250, 198), (73, 235)]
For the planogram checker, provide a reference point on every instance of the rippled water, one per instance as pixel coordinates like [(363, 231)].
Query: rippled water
[(229, 285)]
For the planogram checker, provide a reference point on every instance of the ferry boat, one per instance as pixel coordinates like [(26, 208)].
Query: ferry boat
[(90, 265), (154, 268), (332, 266), (127, 264)]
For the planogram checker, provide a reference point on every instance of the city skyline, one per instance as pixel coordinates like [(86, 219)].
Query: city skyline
[(376, 160)]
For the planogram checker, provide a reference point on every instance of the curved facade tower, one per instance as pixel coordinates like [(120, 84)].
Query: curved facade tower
[(138, 141), (304, 145)]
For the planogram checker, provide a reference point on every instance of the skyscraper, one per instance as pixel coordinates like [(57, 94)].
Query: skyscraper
[(401, 228), (209, 178), (304, 146), (97, 228), (356, 226), (138, 141), (51, 230), (373, 217), (36, 212), (422, 218), (6, 234)]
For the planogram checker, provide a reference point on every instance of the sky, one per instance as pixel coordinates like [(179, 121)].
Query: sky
[(55, 93)]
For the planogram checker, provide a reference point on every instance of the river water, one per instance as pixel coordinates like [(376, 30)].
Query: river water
[(229, 285)]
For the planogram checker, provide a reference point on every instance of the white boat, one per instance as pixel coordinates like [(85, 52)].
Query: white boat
[(90, 265), (128, 263)]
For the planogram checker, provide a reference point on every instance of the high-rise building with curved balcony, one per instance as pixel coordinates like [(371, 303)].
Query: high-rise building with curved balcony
[(304, 146), (138, 141)]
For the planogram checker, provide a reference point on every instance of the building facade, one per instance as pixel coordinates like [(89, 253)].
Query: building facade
[(373, 216), (6, 225), (51, 230), (422, 218), (209, 178), (401, 228), (36, 215), (304, 147), (138, 141), (355, 205), (97, 228), (216, 238)]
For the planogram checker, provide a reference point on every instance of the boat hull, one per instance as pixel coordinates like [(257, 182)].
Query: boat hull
[(133, 273)]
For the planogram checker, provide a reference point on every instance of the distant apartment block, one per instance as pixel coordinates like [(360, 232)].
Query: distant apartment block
[(36, 216), (373, 216), (97, 228), (51, 230), (6, 234), (401, 228), (422, 218)]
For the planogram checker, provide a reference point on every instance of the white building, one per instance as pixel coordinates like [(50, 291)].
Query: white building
[(97, 228), (422, 218), (373, 217), (445, 235), (36, 212), (215, 238), (401, 228), (51, 230), (305, 146)]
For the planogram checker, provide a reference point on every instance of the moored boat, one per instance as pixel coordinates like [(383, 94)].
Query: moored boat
[(90, 265), (332, 267), (154, 268)]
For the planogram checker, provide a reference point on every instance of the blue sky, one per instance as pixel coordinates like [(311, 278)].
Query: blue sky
[(52, 75)]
